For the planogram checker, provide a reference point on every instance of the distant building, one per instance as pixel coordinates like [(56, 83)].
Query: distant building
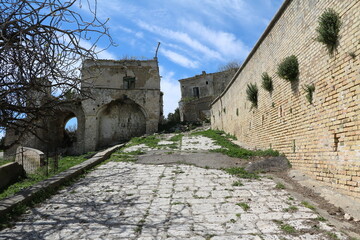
[(199, 91)]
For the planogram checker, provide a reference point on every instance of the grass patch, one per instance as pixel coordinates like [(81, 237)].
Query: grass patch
[(232, 150), (150, 141), (291, 209), (308, 205), (4, 161), (287, 228), (280, 186), (31, 179), (332, 235), (176, 138), (244, 206), (237, 184), (121, 156), (321, 219), (241, 173)]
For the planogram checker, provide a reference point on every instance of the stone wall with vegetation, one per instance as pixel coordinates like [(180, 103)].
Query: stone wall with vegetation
[(315, 118)]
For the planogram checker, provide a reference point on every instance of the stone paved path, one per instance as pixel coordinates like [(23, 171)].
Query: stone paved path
[(121, 200)]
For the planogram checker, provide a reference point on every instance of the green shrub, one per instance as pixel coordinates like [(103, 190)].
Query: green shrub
[(288, 69), (309, 89), (328, 29), (267, 82), (252, 94)]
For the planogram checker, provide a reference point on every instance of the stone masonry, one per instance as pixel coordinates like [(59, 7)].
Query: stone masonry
[(199, 91), (323, 138)]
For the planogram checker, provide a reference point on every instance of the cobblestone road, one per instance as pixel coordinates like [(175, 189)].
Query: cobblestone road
[(121, 200)]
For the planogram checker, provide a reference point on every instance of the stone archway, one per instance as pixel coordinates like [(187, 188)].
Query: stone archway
[(119, 121), (59, 138)]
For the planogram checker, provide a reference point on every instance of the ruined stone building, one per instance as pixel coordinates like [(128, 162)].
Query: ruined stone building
[(199, 91), (322, 137), (125, 101)]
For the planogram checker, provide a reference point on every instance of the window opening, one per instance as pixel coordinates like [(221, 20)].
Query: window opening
[(129, 82), (196, 92)]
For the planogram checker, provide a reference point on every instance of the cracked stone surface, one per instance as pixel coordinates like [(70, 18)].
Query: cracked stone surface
[(123, 200)]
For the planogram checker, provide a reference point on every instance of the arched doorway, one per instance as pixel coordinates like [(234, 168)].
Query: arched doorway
[(118, 121), (70, 131)]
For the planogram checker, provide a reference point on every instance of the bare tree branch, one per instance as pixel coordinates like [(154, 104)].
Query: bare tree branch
[(42, 45)]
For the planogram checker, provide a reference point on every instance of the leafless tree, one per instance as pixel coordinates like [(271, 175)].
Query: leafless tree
[(233, 65), (42, 45)]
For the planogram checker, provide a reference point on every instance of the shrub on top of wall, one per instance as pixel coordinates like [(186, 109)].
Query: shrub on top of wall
[(328, 29), (267, 82), (288, 69), (252, 94)]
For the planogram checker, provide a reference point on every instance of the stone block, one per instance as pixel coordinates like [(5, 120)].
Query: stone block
[(10, 173), (31, 159)]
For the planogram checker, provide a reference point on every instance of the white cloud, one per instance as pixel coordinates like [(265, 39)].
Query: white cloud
[(104, 54), (181, 37), (179, 59), (101, 52), (171, 89), (225, 43)]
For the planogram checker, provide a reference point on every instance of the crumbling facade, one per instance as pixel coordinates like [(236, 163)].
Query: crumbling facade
[(199, 91), (124, 101), (321, 138)]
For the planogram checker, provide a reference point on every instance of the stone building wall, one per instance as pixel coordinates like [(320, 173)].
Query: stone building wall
[(323, 138), (118, 111), (124, 101), (199, 91)]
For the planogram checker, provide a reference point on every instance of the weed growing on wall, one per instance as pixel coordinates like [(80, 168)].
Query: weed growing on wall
[(309, 90), (288, 69), (267, 82), (252, 94), (351, 54), (328, 29)]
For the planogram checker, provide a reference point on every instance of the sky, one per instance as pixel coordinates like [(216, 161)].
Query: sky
[(195, 35)]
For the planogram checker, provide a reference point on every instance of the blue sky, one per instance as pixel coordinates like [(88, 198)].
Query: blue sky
[(195, 35)]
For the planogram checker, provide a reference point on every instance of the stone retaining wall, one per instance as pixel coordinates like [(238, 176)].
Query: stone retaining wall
[(10, 173)]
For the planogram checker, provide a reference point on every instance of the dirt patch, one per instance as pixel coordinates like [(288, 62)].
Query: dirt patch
[(267, 164), (201, 159), (334, 214)]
